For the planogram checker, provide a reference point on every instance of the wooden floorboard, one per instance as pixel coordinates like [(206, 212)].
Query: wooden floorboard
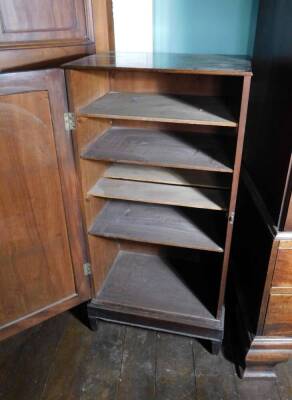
[(215, 378), (63, 360), (87, 365), (24, 368), (175, 377), (137, 380), (257, 390), (63, 374), (99, 371), (284, 374)]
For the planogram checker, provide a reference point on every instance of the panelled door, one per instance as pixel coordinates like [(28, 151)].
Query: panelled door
[(42, 248), (33, 32)]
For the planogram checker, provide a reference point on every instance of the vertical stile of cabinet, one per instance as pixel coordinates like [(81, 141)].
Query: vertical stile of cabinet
[(158, 144)]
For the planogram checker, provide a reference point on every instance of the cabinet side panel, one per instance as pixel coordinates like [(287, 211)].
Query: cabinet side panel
[(250, 261), (102, 251), (268, 134)]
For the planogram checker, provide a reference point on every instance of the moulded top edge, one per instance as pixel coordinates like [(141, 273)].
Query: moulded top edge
[(204, 64)]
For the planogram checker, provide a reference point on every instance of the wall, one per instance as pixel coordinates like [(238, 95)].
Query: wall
[(133, 21), (204, 26)]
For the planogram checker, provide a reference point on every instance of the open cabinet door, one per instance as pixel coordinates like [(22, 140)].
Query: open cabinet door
[(42, 248)]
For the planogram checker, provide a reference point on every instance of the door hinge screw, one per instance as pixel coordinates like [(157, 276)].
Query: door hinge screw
[(69, 120), (87, 269)]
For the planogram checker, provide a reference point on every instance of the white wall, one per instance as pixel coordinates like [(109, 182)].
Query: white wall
[(133, 21)]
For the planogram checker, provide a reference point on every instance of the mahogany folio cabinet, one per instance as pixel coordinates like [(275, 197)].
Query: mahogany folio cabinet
[(129, 198)]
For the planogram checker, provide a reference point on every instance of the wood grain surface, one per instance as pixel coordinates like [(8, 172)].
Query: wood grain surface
[(169, 176), (211, 199), (162, 148), (137, 280), (199, 110), (167, 62), (43, 241), (36, 267), (72, 362), (167, 225)]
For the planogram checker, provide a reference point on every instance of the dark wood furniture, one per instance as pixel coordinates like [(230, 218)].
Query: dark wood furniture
[(158, 143), (262, 255)]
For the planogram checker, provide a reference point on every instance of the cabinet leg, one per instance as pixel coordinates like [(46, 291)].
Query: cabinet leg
[(93, 323), (264, 354), (258, 371), (215, 347)]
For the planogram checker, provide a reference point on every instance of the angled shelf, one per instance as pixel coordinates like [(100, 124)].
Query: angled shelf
[(133, 290), (160, 224), (155, 193), (207, 152), (195, 110), (170, 176)]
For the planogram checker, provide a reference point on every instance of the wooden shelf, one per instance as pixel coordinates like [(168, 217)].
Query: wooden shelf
[(159, 287), (166, 62), (196, 110), (199, 151), (165, 225), (170, 176), (155, 193)]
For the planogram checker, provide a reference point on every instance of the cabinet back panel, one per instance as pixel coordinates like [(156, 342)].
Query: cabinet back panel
[(34, 255), (151, 82)]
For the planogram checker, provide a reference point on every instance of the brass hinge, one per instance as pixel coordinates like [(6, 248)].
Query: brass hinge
[(231, 218), (69, 120), (87, 269)]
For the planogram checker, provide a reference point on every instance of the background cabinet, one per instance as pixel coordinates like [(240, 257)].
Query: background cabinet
[(262, 249), (27, 21), (49, 32)]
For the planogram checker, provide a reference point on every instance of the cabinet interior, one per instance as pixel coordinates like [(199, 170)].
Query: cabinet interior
[(155, 153)]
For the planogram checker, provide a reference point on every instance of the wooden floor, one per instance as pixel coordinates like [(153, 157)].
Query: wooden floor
[(62, 359)]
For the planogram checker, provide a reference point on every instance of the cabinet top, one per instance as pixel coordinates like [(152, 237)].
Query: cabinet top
[(166, 62)]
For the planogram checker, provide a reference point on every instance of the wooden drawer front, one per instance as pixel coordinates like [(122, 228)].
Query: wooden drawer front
[(283, 270), (279, 315)]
